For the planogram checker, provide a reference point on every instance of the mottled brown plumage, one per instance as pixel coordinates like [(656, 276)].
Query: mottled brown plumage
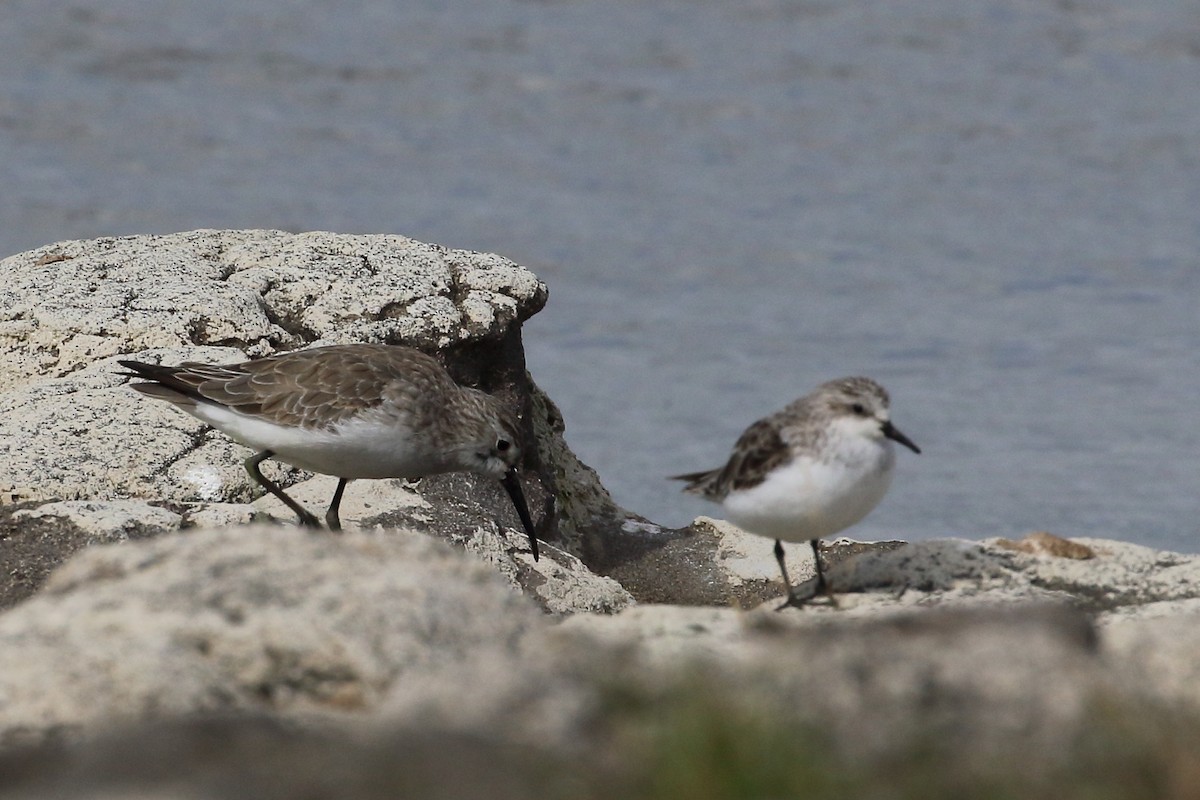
[(315, 388), (759, 450)]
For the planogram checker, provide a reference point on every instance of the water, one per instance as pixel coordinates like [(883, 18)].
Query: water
[(988, 205)]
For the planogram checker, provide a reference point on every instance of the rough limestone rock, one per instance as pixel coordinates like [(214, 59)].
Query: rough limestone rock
[(1021, 678), (114, 520), (37, 538), (1118, 575), (457, 508), (969, 643), (260, 618), (70, 304), (1158, 644), (71, 430), (362, 640), (989, 675), (262, 758), (69, 310), (741, 570)]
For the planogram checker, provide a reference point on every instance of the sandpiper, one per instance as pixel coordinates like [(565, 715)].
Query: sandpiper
[(812, 469), (353, 411)]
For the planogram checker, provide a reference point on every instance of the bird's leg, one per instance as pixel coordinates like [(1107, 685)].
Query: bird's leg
[(822, 585), (306, 519), (331, 516), (795, 600), (792, 598)]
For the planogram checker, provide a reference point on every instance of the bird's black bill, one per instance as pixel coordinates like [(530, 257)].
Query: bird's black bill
[(513, 484), (893, 433)]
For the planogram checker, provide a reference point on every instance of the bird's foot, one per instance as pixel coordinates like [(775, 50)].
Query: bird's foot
[(814, 593)]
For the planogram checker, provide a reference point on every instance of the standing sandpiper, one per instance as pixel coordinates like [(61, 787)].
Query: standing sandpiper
[(809, 470), (354, 411)]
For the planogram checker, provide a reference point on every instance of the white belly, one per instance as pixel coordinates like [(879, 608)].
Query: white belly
[(809, 499), (363, 448)]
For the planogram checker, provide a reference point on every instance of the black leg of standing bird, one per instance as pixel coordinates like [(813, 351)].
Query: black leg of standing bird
[(306, 519), (331, 516), (792, 598), (822, 587)]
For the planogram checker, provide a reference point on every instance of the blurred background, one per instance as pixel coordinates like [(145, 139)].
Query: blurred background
[(991, 206)]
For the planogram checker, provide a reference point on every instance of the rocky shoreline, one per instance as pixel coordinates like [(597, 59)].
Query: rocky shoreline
[(152, 605)]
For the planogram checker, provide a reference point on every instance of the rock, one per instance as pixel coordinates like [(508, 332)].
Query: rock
[(71, 430), (36, 538), (991, 674), (957, 571), (261, 618), (71, 309), (1156, 646), (32, 546), (973, 680), (713, 563), (457, 508), (363, 640), (108, 521), (71, 304)]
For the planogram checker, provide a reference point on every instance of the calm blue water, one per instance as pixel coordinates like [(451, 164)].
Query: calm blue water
[(992, 206)]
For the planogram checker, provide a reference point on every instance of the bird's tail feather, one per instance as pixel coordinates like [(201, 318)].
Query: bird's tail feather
[(163, 382), (697, 482)]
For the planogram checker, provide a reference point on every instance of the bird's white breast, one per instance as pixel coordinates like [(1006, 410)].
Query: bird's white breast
[(809, 497), (367, 446)]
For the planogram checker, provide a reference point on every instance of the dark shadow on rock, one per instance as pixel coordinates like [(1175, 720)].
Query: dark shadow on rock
[(31, 548)]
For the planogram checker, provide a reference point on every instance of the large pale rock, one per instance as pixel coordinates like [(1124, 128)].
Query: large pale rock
[(1025, 679), (238, 757), (388, 637), (1157, 644), (1116, 575), (1020, 677), (252, 618), (36, 539), (987, 674), (459, 509), (69, 310), (70, 304), (70, 429)]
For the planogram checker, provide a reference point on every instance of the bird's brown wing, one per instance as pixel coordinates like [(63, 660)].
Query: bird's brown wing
[(759, 449), (312, 388)]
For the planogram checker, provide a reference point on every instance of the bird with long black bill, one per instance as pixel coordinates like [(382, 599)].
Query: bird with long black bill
[(352, 411)]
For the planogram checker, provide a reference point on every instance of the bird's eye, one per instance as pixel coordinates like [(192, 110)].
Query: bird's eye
[(857, 408), (502, 446)]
